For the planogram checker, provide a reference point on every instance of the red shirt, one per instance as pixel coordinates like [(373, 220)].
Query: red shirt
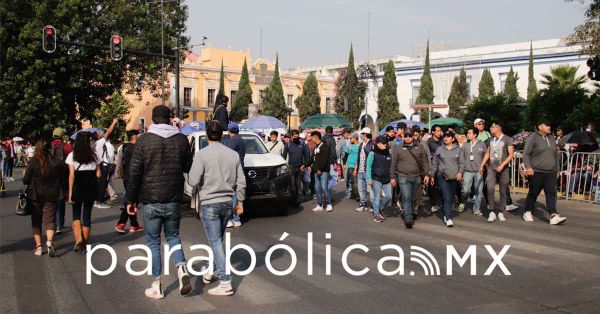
[(66, 147)]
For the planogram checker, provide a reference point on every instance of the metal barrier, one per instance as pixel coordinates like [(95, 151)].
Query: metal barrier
[(579, 176)]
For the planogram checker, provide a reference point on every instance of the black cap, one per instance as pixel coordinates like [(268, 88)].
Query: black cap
[(416, 128), (329, 129), (401, 125), (382, 140), (408, 132), (389, 128), (448, 134)]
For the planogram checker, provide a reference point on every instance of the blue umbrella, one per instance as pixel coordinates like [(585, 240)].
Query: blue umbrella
[(187, 130), (263, 122), (88, 130), (409, 123), (198, 125)]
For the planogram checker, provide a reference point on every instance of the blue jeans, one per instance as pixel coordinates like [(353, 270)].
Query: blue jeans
[(448, 188), (350, 182), (321, 186), (156, 217), (475, 180), (378, 203), (214, 219), (235, 218), (409, 189), (363, 188)]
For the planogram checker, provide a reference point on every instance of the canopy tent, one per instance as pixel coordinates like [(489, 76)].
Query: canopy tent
[(320, 121)]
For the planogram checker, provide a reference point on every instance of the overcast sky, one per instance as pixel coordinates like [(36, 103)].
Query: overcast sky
[(316, 32)]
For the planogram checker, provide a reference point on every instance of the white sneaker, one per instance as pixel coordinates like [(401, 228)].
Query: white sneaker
[(511, 207), (229, 224), (184, 280), (501, 217), (370, 210), (449, 223), (329, 208), (557, 219), (155, 292), (492, 217), (207, 277), (318, 208), (237, 224), (101, 205), (461, 207), (399, 204), (224, 288), (360, 209), (527, 216), (435, 209)]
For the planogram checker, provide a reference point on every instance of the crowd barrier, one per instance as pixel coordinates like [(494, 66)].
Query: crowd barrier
[(579, 177)]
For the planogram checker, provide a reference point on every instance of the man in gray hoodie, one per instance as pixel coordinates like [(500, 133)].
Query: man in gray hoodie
[(218, 173), (540, 157)]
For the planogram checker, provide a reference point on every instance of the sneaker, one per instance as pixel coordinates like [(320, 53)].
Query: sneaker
[(556, 219), (329, 208), (51, 251), (370, 210), (101, 205), (237, 224), (461, 207), (449, 223), (207, 277), (377, 219), (229, 224), (120, 228), (155, 291), (435, 208), (135, 229), (527, 216), (511, 207), (113, 200), (492, 217), (360, 209), (224, 288), (58, 230), (477, 213), (408, 224), (184, 280), (382, 216), (318, 208), (501, 217), (37, 251)]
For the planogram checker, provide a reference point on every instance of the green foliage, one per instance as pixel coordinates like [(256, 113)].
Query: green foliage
[(349, 92), (486, 84), (496, 108), (309, 103), (387, 97), (425, 96), (459, 94), (221, 92), (239, 109), (510, 85), (274, 102), (531, 85), (117, 107), (563, 78), (588, 34), (40, 91), (585, 112)]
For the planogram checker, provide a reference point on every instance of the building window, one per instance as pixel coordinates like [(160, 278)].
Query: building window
[(415, 87), (261, 94), (187, 96), (290, 100), (469, 95), (328, 106), (502, 80), (142, 125), (232, 98), (262, 70), (211, 97)]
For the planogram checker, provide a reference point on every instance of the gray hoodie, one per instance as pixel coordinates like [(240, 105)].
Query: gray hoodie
[(218, 173), (541, 153), (478, 152), (163, 130), (448, 161)]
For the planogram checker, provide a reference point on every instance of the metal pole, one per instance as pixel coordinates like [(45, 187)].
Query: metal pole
[(429, 117), (177, 78), (162, 50)]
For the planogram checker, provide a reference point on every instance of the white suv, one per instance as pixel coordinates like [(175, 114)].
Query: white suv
[(267, 175)]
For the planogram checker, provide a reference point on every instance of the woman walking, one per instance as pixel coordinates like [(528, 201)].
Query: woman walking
[(379, 162), (83, 179), (448, 164), (43, 178)]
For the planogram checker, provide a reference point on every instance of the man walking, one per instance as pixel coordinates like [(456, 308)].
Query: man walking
[(361, 171), (218, 173), (237, 144), (321, 168), (540, 157), (351, 156), (105, 154), (160, 158), (275, 146), (296, 153), (220, 113), (433, 190), (473, 154), (500, 152), (126, 151)]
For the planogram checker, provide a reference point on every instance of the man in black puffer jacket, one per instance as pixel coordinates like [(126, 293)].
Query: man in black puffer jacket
[(160, 158)]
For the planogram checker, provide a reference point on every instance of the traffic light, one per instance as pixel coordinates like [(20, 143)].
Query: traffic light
[(49, 39), (594, 65), (116, 47)]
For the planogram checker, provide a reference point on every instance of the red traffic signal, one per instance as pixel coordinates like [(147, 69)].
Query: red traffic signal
[(116, 47), (49, 39)]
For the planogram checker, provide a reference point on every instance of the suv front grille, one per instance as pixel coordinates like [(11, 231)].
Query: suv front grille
[(257, 173)]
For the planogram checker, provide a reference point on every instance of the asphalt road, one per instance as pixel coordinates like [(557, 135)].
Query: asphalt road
[(554, 269)]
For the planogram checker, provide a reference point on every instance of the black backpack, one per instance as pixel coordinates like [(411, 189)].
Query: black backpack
[(58, 152)]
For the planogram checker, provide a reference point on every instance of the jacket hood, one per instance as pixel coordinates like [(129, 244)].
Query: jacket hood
[(163, 130)]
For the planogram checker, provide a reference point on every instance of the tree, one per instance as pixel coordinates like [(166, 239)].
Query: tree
[(510, 85), (41, 91), (497, 108), (221, 92), (486, 84), (531, 85), (309, 103), (349, 92), (588, 34), (387, 97), (115, 107), (239, 109), (274, 102), (425, 96), (459, 94), (563, 78)]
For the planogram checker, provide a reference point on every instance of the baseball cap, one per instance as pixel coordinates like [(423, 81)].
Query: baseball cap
[(365, 130), (303, 136), (478, 120), (234, 126), (389, 128), (59, 132)]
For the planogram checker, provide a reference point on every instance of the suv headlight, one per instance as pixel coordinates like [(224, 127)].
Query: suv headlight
[(283, 169)]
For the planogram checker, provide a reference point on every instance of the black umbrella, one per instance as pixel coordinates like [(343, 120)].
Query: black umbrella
[(584, 141)]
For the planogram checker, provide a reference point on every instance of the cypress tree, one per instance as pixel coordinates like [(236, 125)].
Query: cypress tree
[(349, 89), (510, 87), (486, 84), (459, 95), (274, 102), (425, 96), (221, 92), (239, 110), (531, 86), (387, 97), (309, 103)]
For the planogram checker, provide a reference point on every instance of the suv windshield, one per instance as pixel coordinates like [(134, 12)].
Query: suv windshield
[(253, 144)]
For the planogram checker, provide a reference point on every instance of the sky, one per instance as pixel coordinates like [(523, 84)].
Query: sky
[(317, 32)]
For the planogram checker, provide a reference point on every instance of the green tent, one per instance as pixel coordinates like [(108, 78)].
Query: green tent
[(320, 121), (450, 122)]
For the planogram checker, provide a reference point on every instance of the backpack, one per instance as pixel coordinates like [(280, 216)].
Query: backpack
[(58, 152)]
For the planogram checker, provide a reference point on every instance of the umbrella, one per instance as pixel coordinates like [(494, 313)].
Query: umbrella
[(409, 123), (263, 122), (88, 130), (320, 121), (520, 138), (188, 129), (198, 125), (451, 122), (17, 139), (580, 138)]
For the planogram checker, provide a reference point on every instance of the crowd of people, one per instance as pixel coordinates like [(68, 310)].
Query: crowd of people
[(397, 168)]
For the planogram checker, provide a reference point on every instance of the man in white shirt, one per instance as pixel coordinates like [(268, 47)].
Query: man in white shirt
[(105, 156), (275, 146)]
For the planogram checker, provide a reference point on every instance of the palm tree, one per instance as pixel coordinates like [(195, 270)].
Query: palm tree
[(563, 77)]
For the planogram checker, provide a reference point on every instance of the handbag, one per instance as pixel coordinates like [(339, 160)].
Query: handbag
[(23, 205)]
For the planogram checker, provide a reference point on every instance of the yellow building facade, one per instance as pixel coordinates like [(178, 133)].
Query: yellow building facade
[(199, 85)]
